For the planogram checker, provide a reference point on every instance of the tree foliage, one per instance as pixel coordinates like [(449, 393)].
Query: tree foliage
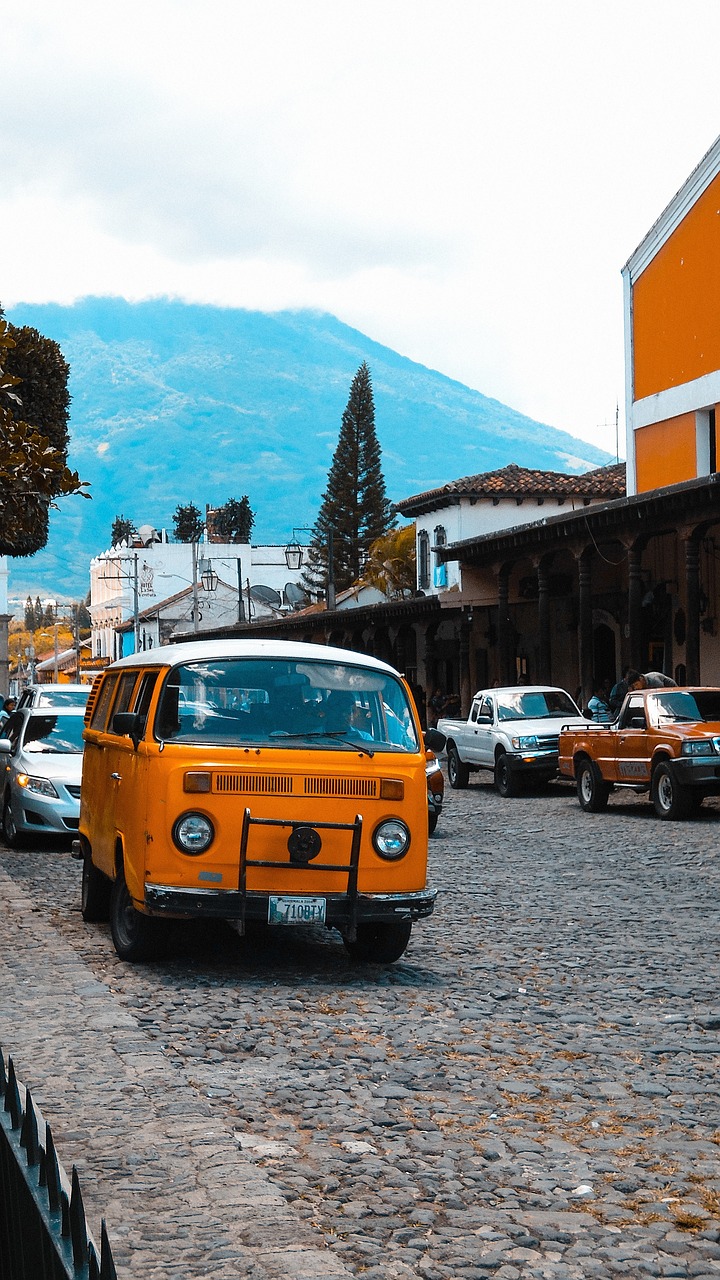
[(123, 530), (390, 565), (33, 466), (355, 507), (233, 521), (188, 523)]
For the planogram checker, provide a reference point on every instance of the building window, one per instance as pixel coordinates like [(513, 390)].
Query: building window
[(423, 559), (440, 569)]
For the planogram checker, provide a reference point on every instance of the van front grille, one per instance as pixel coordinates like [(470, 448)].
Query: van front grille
[(266, 784), (340, 787)]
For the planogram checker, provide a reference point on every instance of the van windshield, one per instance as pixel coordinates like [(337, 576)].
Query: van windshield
[(285, 704)]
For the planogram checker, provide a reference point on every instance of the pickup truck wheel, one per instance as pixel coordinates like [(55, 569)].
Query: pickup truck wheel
[(458, 773), (592, 791), (670, 799), (507, 782)]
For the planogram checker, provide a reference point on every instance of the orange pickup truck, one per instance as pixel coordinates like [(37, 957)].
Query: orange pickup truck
[(665, 741)]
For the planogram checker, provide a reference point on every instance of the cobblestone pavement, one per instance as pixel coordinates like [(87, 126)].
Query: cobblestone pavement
[(531, 1092)]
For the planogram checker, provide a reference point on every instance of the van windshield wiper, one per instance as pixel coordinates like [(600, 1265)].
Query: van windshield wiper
[(337, 736)]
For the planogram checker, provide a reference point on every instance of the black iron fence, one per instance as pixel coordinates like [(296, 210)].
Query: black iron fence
[(43, 1231)]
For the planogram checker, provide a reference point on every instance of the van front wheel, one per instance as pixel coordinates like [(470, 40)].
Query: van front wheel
[(134, 935), (380, 943)]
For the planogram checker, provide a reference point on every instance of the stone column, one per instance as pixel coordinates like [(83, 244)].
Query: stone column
[(585, 629), (692, 581), (466, 691), (635, 596), (503, 625), (544, 673)]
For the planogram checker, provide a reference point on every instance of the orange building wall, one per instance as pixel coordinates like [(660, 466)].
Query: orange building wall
[(665, 453), (676, 336)]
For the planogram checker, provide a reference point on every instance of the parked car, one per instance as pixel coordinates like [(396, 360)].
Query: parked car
[(435, 791), (54, 695), (665, 742), (41, 756), (513, 731)]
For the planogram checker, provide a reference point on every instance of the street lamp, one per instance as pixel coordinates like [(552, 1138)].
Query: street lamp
[(208, 577)]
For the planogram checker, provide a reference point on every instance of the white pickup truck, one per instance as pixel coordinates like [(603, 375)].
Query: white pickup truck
[(513, 731)]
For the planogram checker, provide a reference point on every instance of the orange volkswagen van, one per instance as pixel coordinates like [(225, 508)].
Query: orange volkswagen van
[(255, 780)]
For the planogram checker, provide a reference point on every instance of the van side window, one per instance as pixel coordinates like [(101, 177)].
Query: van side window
[(126, 686), (102, 706), (143, 696)]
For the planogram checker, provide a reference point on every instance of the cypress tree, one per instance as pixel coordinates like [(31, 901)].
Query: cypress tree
[(355, 509)]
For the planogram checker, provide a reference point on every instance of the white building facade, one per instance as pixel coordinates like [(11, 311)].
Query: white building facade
[(128, 582), (493, 501)]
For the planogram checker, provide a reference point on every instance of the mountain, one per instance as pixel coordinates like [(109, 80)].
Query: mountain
[(174, 403)]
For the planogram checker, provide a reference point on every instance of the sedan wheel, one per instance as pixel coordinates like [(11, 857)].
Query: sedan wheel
[(11, 835)]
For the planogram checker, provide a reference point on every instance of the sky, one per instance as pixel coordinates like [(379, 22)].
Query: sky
[(462, 181)]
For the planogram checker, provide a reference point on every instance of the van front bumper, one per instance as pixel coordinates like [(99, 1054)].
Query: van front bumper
[(341, 911)]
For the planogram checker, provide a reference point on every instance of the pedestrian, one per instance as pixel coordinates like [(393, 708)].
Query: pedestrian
[(619, 691), (436, 705), (599, 705), (7, 709), (654, 680)]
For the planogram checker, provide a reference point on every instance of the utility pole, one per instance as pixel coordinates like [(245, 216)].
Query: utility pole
[(136, 619), (330, 593), (196, 625), (55, 663)]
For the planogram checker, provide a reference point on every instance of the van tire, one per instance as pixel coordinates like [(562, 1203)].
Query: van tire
[(380, 943), (135, 936), (95, 892)]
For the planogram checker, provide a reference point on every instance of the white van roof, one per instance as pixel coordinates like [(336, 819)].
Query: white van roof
[(172, 655)]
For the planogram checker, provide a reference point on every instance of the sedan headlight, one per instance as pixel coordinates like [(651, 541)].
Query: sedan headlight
[(698, 748), (526, 744), (391, 839), (193, 833), (40, 786)]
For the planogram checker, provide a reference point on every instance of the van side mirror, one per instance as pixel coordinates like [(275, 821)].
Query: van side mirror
[(128, 724), (5, 744), (434, 739)]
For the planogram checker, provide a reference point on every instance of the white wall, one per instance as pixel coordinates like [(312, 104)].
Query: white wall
[(466, 520), (163, 570)]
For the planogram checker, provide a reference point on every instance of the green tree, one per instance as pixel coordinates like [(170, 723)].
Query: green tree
[(355, 509), (29, 614), (33, 460), (39, 613), (188, 523), (390, 565), (123, 530), (233, 522)]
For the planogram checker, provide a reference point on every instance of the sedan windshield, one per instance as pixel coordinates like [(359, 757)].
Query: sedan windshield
[(534, 705), (280, 703), (54, 733)]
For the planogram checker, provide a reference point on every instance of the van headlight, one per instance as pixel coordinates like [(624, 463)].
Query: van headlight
[(193, 833), (391, 839)]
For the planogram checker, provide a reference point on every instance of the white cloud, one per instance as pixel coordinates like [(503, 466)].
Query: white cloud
[(462, 181)]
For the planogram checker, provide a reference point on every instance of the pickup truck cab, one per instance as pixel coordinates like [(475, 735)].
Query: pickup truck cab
[(514, 732), (665, 742)]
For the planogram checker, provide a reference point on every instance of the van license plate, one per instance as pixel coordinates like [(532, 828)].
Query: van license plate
[(296, 910)]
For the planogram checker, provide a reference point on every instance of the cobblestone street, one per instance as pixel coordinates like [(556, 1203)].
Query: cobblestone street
[(531, 1092)]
